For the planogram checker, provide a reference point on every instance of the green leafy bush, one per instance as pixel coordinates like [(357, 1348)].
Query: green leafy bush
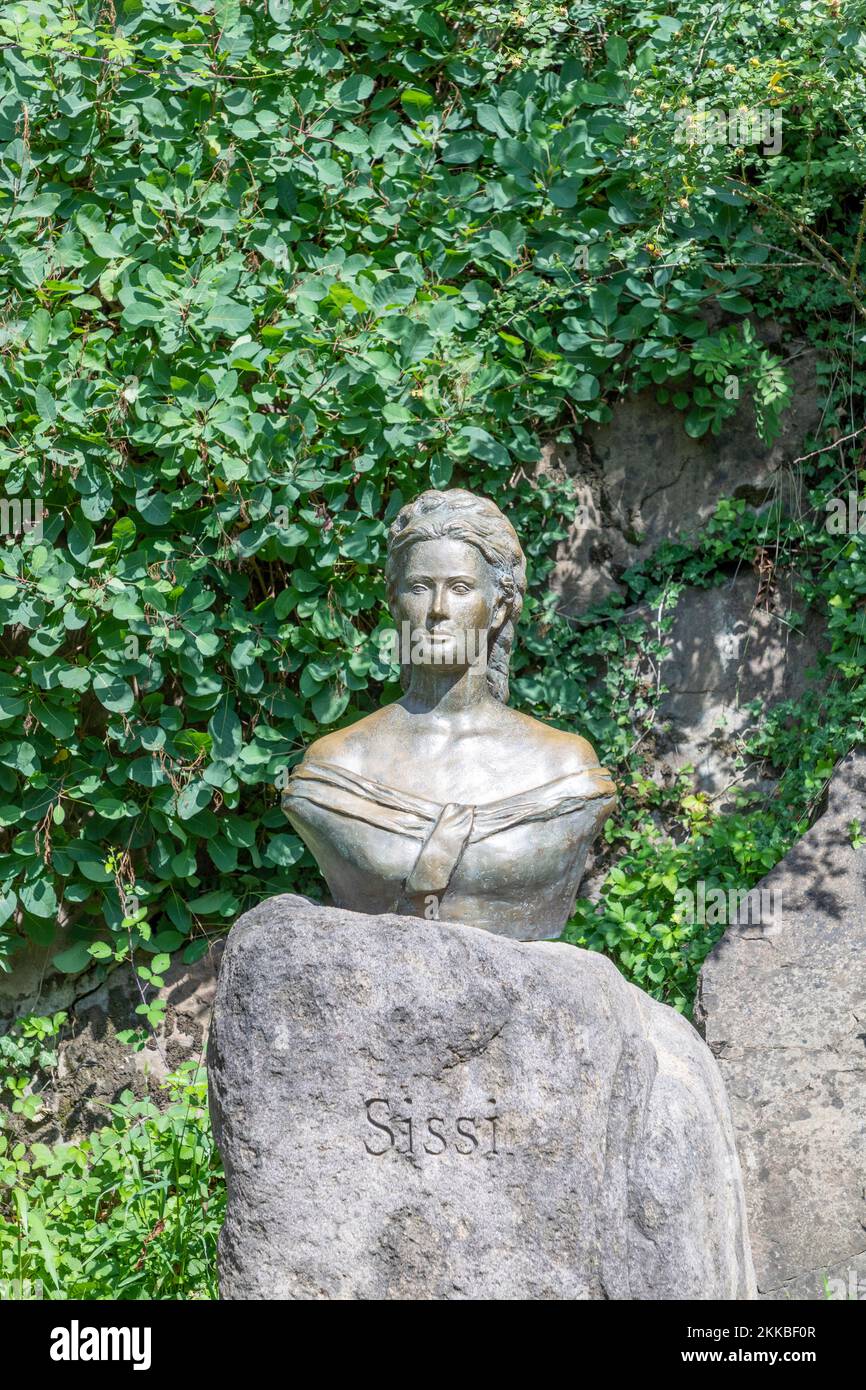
[(26, 1050), (131, 1212)]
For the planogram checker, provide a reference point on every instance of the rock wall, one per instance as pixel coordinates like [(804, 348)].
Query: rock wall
[(783, 1009), (728, 647), (640, 480), (94, 1067)]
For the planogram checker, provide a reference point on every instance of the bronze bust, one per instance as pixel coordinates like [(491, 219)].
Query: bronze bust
[(447, 803)]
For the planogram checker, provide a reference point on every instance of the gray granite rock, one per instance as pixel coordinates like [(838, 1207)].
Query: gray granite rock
[(784, 1010), (727, 647), (640, 479), (410, 1109)]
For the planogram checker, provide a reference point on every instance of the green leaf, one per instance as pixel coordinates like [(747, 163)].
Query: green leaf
[(392, 292), (358, 87), (39, 898), (45, 405), (220, 903), (463, 149), (225, 731), (166, 941), (284, 850), (113, 692), (329, 704), (194, 797), (73, 960), (229, 316), (585, 388), (416, 101)]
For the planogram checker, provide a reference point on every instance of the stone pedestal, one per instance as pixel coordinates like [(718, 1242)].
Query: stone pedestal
[(410, 1109)]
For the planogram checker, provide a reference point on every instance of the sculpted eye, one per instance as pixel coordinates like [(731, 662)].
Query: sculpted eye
[(460, 588)]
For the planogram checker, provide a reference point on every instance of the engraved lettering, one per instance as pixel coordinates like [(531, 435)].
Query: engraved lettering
[(436, 1134), (378, 1100), (469, 1120)]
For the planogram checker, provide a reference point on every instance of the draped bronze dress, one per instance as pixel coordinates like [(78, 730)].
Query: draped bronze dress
[(512, 866)]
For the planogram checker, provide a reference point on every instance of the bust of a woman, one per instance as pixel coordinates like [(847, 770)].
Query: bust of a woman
[(447, 803)]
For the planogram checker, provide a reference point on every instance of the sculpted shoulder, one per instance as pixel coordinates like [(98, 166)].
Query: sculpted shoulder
[(559, 752), (517, 751), (349, 747)]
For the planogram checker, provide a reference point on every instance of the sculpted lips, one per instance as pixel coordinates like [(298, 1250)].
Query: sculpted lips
[(442, 640)]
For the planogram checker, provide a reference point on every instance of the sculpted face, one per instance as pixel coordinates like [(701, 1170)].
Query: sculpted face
[(449, 596)]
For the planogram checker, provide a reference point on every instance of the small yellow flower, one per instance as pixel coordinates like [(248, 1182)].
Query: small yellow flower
[(754, 62), (729, 67)]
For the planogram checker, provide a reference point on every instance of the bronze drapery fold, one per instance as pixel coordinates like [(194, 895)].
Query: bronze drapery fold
[(444, 830)]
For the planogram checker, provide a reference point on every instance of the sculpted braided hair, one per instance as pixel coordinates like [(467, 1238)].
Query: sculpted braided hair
[(463, 516)]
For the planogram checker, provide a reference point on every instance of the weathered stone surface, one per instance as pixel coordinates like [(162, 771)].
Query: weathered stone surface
[(33, 985), (610, 1169), (640, 479), (727, 647), (784, 1010), (94, 1067)]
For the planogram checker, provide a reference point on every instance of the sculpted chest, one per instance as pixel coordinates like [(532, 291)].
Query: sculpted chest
[(511, 866)]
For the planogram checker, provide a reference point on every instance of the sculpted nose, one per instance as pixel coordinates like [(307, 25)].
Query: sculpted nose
[(439, 603)]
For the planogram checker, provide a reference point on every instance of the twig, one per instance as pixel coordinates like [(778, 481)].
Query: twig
[(827, 447)]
